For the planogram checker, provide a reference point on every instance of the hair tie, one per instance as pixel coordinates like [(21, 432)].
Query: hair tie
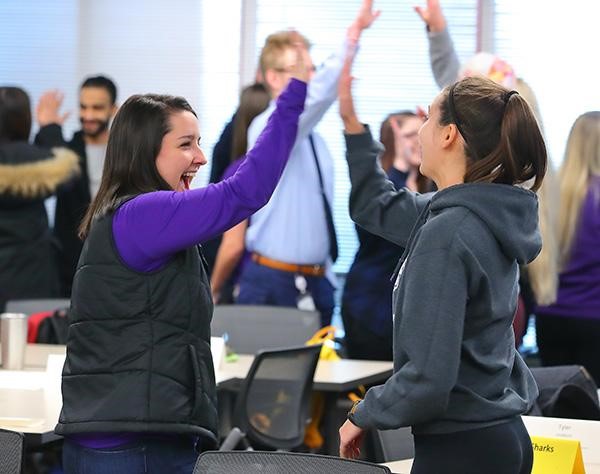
[(508, 95)]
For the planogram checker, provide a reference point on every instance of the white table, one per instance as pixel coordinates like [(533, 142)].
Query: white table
[(331, 376), (30, 400)]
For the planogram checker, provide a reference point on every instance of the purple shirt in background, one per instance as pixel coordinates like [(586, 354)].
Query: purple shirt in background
[(151, 228), (579, 284)]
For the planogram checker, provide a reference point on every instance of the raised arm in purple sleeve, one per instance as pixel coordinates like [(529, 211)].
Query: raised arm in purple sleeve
[(152, 227)]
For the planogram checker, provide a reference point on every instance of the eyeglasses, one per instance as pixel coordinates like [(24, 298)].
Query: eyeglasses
[(290, 69), (284, 69)]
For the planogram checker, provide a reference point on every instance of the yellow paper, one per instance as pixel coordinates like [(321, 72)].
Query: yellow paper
[(556, 456)]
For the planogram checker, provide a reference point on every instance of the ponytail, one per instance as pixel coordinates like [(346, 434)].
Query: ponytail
[(503, 141)]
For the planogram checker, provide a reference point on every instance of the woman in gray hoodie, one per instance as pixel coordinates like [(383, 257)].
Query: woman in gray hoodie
[(458, 380)]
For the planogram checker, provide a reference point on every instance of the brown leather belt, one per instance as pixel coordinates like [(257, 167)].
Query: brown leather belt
[(308, 270)]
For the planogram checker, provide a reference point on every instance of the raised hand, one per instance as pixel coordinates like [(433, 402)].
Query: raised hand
[(302, 68), (48, 108), (432, 16), (364, 19), (347, 112)]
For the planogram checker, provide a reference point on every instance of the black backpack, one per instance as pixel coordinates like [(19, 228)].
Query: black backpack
[(566, 391), (53, 329)]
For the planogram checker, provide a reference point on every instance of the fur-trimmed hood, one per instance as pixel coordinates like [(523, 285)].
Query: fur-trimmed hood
[(28, 172)]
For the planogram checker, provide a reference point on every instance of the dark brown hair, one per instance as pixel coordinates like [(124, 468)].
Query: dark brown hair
[(15, 115), (134, 143), (254, 99), (102, 82), (503, 142), (386, 137)]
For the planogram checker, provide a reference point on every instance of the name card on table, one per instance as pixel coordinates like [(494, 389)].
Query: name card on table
[(556, 456), (586, 432)]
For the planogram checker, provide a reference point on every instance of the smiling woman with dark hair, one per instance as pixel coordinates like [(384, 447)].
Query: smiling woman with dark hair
[(138, 383), (28, 175), (458, 380)]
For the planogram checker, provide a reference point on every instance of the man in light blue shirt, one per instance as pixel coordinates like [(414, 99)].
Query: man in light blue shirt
[(292, 240)]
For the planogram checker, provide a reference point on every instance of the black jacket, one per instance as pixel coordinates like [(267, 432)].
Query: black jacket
[(71, 203), (138, 348), (28, 175)]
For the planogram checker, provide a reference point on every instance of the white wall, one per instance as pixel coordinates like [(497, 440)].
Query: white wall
[(39, 47), (181, 47), (554, 47)]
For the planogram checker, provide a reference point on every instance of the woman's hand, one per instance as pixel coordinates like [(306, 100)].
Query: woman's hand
[(364, 19), (432, 16), (302, 68), (351, 123), (351, 437)]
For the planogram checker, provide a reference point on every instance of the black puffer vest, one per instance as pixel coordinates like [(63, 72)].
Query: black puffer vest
[(138, 349)]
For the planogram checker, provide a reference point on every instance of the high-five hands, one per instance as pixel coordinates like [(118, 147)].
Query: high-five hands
[(302, 68)]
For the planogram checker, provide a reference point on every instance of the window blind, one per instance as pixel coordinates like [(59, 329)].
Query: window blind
[(38, 48)]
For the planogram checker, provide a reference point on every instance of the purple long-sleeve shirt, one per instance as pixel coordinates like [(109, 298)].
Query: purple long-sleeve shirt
[(151, 228), (579, 283)]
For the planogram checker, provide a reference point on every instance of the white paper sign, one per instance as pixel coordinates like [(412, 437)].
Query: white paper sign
[(587, 432)]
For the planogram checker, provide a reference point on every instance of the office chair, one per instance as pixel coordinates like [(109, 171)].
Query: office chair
[(272, 408), (250, 328), (392, 445), (11, 452), (278, 462)]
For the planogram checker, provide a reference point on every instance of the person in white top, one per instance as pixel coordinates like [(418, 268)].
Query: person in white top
[(97, 107), (292, 240)]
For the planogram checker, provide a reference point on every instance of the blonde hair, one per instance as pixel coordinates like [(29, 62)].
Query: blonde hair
[(581, 162), (543, 271), (525, 91), (275, 46)]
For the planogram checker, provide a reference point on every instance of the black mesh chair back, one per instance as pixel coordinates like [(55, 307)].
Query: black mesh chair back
[(11, 452), (251, 328), (393, 445), (278, 462), (273, 405)]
